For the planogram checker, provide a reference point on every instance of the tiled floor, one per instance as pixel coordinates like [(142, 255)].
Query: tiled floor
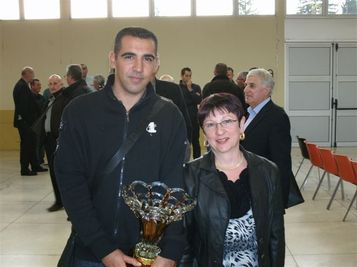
[(30, 236)]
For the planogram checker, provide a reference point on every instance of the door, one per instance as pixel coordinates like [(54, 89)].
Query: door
[(321, 92)]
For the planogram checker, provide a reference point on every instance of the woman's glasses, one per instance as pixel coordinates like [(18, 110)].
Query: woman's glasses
[(210, 126)]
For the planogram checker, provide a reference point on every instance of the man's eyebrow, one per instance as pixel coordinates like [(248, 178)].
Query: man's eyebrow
[(150, 55), (127, 54)]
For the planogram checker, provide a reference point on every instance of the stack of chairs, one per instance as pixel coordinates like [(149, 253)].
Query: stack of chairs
[(330, 163)]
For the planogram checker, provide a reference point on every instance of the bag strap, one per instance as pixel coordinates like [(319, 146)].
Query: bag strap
[(132, 138)]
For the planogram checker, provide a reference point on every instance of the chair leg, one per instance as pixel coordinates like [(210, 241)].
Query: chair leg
[(334, 193), (328, 182), (349, 207), (342, 191), (318, 186), (299, 167), (305, 180)]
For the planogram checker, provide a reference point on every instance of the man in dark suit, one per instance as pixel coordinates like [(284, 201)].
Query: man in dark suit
[(173, 92), (192, 97), (267, 128), (221, 84), (26, 113)]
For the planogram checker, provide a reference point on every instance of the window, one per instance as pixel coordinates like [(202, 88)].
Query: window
[(256, 7), (344, 7), (41, 9), (172, 7), (9, 10), (89, 9), (319, 7), (304, 7), (214, 7), (132, 8)]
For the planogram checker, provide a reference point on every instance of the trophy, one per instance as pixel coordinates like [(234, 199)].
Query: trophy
[(156, 206)]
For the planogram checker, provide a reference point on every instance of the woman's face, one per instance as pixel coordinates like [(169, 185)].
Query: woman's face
[(222, 130)]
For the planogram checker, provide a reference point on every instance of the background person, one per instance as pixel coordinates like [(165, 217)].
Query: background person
[(267, 128), (192, 96), (26, 113)]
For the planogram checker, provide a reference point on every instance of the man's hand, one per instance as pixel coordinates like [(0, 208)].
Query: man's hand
[(118, 259), (163, 262)]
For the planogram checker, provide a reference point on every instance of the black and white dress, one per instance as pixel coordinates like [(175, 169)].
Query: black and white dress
[(240, 245)]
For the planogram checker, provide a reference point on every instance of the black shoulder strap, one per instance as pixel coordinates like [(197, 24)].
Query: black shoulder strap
[(132, 138)]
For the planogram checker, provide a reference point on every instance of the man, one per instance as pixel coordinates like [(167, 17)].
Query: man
[(55, 85), (107, 230), (76, 87), (26, 113), (242, 76), (87, 78), (230, 74), (221, 84), (192, 97), (267, 129), (35, 85), (172, 91)]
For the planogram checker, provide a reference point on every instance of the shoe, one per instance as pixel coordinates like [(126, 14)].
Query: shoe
[(28, 173), (55, 207), (40, 169)]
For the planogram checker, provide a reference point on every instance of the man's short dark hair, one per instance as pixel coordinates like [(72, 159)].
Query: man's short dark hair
[(138, 32), (221, 69), (184, 70), (75, 71), (32, 83)]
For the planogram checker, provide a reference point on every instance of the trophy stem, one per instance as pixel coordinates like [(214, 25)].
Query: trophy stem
[(146, 253)]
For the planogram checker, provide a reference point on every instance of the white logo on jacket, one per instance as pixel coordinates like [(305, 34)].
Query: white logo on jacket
[(151, 128)]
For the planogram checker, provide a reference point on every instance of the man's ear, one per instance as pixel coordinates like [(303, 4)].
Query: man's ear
[(112, 58)]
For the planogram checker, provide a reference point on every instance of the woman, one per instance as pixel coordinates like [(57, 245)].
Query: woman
[(238, 220)]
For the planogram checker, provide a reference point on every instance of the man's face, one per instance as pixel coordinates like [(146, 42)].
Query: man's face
[(36, 87), (29, 76), (240, 81), (255, 91), (230, 74), (136, 64), (84, 71), (186, 76), (54, 84)]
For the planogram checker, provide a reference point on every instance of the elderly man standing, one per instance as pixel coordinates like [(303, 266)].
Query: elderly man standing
[(267, 129), (26, 113)]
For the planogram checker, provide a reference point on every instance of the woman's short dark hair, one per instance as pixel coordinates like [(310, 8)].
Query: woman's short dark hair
[(220, 101)]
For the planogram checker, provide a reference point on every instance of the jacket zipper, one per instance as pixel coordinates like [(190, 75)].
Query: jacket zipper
[(121, 177)]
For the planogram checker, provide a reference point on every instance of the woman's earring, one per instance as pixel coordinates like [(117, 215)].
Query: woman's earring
[(242, 136), (205, 143)]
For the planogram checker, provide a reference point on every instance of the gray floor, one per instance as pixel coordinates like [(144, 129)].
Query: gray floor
[(30, 236)]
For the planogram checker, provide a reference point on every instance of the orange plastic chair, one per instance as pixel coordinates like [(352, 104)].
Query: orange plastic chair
[(329, 166), (315, 160), (346, 173), (304, 152), (354, 166)]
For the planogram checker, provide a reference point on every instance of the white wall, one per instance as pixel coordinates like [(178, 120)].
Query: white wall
[(321, 29)]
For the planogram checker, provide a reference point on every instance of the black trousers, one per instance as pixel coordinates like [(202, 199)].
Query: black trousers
[(50, 147), (27, 149)]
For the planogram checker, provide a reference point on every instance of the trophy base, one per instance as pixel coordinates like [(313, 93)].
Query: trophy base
[(146, 253)]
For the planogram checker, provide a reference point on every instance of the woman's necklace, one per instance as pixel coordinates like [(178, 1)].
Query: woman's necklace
[(226, 168)]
